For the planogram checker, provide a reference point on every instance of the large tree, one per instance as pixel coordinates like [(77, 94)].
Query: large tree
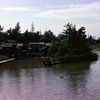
[(48, 36), (76, 38), (1, 33), (13, 33)]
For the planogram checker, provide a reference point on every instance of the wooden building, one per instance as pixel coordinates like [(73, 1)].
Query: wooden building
[(8, 47), (34, 49), (38, 49)]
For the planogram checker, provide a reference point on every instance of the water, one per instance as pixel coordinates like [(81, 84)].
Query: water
[(29, 80)]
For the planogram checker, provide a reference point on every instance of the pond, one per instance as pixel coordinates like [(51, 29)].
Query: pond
[(30, 80)]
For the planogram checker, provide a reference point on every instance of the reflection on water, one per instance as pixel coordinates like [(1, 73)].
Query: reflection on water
[(29, 80), (77, 74)]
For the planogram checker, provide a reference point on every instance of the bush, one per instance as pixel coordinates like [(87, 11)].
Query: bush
[(77, 58), (3, 57)]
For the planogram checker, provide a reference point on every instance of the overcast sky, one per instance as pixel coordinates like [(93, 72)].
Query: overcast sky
[(51, 14)]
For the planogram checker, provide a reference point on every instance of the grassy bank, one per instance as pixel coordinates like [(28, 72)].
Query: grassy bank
[(95, 48), (76, 58), (3, 57)]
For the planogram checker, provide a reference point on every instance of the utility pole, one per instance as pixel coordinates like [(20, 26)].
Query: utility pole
[(32, 27)]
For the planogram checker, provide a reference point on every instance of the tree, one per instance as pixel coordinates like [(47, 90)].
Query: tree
[(1, 33), (17, 29), (1, 28), (25, 37), (91, 41), (76, 38), (13, 33), (48, 36)]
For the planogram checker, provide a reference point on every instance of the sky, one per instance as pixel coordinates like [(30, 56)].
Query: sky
[(51, 14)]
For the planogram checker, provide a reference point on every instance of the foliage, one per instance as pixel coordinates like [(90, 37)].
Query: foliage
[(1, 34), (77, 58), (27, 36), (13, 33), (3, 57), (47, 37), (76, 38), (72, 41)]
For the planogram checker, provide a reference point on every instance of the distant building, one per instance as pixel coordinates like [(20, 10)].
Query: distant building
[(34, 49), (8, 44), (38, 48), (20, 50), (20, 45), (8, 47)]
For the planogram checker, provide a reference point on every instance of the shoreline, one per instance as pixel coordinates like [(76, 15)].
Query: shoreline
[(76, 58)]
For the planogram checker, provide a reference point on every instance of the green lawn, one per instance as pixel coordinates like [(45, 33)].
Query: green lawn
[(3, 57)]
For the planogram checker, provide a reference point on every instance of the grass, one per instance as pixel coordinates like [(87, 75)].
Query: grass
[(95, 48), (56, 60), (78, 58), (3, 57)]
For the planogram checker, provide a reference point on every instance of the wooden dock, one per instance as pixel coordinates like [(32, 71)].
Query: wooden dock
[(7, 60)]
